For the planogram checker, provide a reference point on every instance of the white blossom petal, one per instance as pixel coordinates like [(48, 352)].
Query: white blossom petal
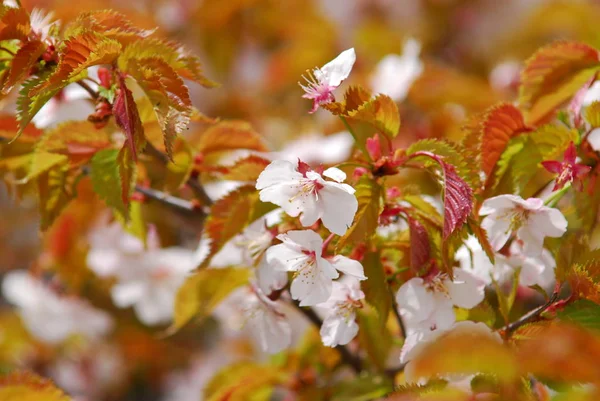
[(338, 69), (349, 266), (335, 174), (466, 290), (338, 330), (339, 207)]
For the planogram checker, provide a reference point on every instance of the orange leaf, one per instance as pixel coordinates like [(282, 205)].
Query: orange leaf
[(501, 123), (15, 24), (553, 74), (228, 135), (27, 386), (80, 52), (246, 169), (563, 353), (25, 58), (110, 24)]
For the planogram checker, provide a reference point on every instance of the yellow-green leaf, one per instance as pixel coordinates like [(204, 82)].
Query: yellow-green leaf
[(113, 176), (368, 193), (204, 290), (27, 386)]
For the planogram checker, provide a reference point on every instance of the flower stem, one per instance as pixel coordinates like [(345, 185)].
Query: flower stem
[(557, 196), (326, 242), (360, 145)]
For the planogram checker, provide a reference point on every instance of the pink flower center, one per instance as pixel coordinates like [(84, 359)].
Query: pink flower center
[(320, 92)]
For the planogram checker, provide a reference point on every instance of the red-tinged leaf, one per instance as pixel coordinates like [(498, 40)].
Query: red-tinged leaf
[(127, 118), (80, 52), (15, 24), (420, 248), (167, 93), (25, 58), (482, 237), (27, 105), (113, 177), (554, 74), (77, 140), (584, 280), (246, 169), (9, 126), (501, 123), (238, 381), (230, 215), (27, 386), (191, 69), (228, 135), (458, 195)]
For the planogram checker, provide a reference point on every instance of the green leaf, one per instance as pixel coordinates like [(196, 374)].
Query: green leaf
[(582, 312), (113, 177), (364, 388), (375, 288), (203, 291), (28, 105), (373, 338), (506, 301), (366, 220)]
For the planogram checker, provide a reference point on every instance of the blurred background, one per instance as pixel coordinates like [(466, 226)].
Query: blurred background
[(469, 55)]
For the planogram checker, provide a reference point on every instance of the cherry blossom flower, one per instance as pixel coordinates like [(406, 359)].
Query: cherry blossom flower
[(321, 82), (148, 279), (395, 74), (267, 323), (530, 219), (339, 327), (301, 253), (534, 270), (299, 190), (417, 344), (427, 304), (594, 139), (50, 317), (568, 170)]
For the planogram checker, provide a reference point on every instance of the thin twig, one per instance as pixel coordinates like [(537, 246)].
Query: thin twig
[(531, 316), (192, 182), (349, 358), (168, 200), (88, 89), (397, 315)]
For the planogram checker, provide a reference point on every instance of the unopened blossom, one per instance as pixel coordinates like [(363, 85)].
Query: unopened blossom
[(339, 326), (321, 82), (427, 304), (416, 346), (301, 252), (529, 219), (49, 316), (299, 190), (395, 74), (266, 321), (147, 280), (568, 170)]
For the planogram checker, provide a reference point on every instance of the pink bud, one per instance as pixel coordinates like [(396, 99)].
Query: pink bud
[(374, 147), (359, 172)]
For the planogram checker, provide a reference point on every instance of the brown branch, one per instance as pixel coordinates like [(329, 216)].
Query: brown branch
[(192, 182), (89, 90), (350, 359), (530, 316), (171, 201)]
